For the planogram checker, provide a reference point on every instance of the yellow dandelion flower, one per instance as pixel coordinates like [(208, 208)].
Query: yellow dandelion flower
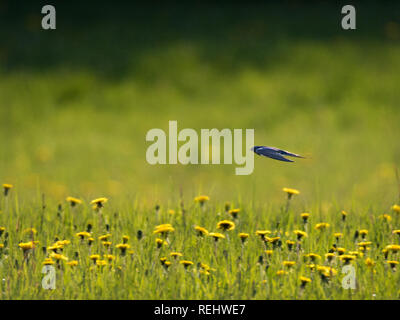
[(291, 191), (82, 235), (104, 237), (107, 244), (125, 239), (243, 236), (272, 240), (205, 272), (216, 235), (73, 201), (7, 187), (186, 263), (25, 246), (290, 244), (393, 247), (176, 254), (326, 271), (262, 233), (321, 226), (385, 217), (337, 235), (109, 257), (58, 256), (354, 253), (226, 225), (346, 258), (313, 256), (123, 247), (363, 246), (300, 234), (234, 212), (369, 262), (288, 264), (341, 251), (201, 199), (311, 266), (204, 266), (94, 257), (31, 231), (280, 273), (72, 263), (396, 208), (363, 232), (329, 256), (99, 202), (163, 259), (101, 263), (269, 252), (201, 231), (304, 281), (393, 264), (164, 229), (305, 216), (161, 242), (48, 262)]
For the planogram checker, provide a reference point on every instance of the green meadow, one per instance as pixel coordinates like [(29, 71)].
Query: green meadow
[(76, 104)]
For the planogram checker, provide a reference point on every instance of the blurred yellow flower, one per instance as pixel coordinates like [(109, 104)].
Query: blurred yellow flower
[(396, 208), (73, 201), (226, 225), (7, 187), (201, 231), (300, 234), (186, 263), (176, 254), (234, 212), (346, 258), (201, 199), (216, 235), (304, 281), (305, 216), (83, 235), (164, 229), (99, 202), (48, 261), (288, 264), (104, 237), (291, 191), (321, 226), (243, 236), (281, 273)]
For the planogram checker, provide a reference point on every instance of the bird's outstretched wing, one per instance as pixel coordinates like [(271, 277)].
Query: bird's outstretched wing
[(287, 153), (275, 153)]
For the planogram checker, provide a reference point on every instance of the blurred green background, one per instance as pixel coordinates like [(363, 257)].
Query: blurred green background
[(76, 103)]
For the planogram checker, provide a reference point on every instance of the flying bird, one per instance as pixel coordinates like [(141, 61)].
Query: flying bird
[(275, 153)]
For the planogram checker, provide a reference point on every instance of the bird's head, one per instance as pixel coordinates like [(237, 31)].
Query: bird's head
[(255, 148)]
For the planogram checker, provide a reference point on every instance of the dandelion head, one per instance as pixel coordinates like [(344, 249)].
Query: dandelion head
[(226, 225), (201, 231), (234, 213), (73, 201), (216, 235)]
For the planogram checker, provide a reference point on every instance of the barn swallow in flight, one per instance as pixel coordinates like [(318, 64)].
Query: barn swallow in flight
[(275, 153)]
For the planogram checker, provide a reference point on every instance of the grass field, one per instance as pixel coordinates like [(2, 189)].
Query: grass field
[(76, 104)]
